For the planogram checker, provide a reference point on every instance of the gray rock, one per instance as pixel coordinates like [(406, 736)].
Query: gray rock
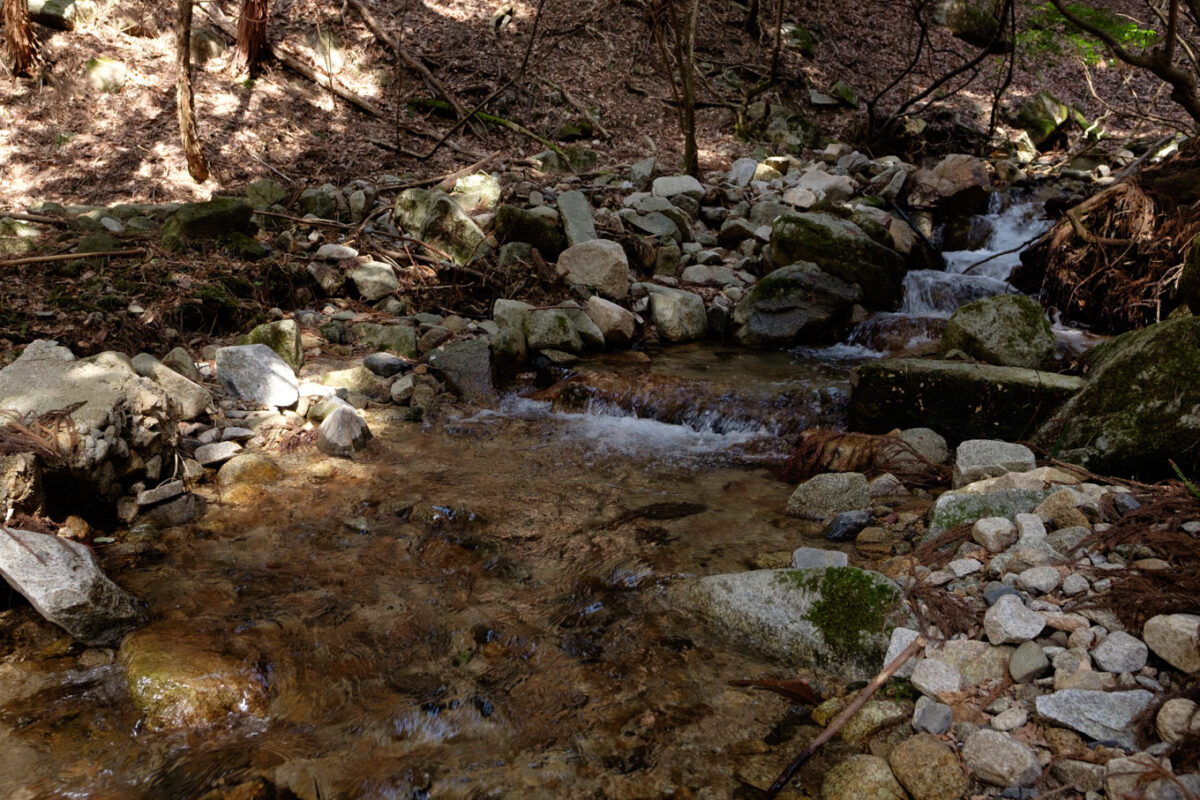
[(1010, 622), (742, 172), (335, 252), (182, 362), (842, 249), (672, 185), (794, 303), (679, 316), (62, 580), (616, 324), (589, 333), (1039, 580), (899, 642), (790, 614), (282, 336), (928, 443), (1008, 329), (706, 275), (958, 181), (510, 313), (976, 661), (256, 373), (847, 525), (928, 769), (539, 227), (1175, 638), (597, 266), (374, 280), (822, 496), (399, 339), (1001, 760), (210, 455), (656, 224), (932, 677), (385, 365), (1028, 663), (1120, 652), (931, 716), (168, 490), (1083, 775), (1010, 720), (1075, 584), (807, 557), (995, 534), (956, 508), (402, 389), (466, 367), (577, 220), (1099, 715), (551, 329), (642, 172), (447, 227), (976, 459), (186, 399), (343, 433)]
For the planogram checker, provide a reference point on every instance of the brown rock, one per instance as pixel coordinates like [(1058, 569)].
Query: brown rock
[(928, 768)]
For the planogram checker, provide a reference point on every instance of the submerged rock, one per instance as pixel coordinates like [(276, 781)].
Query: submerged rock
[(62, 580), (838, 619)]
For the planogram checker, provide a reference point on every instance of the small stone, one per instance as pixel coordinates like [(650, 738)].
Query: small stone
[(976, 459), (995, 590), (672, 185), (995, 534), (900, 640), (875, 542), (385, 365), (217, 453), (928, 769), (1040, 580), (1083, 775), (1074, 584), (805, 557), (1010, 622), (1010, 720), (1176, 718), (343, 433), (998, 759), (931, 716), (335, 252), (844, 527), (825, 495), (1028, 663), (1120, 652), (962, 567), (234, 433), (932, 677), (158, 494), (1175, 638)]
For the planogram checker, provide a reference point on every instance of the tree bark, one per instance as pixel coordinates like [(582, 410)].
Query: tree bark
[(185, 104), (252, 33), (18, 37)]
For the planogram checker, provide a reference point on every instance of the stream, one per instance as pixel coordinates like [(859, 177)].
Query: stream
[(475, 608)]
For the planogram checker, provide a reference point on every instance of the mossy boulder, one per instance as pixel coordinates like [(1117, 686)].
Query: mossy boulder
[(265, 192), (183, 680), (410, 208), (197, 222), (1139, 408), (958, 400), (1041, 116), (842, 249), (799, 302), (398, 339), (282, 336), (838, 619), (447, 227), (1009, 330), (541, 231)]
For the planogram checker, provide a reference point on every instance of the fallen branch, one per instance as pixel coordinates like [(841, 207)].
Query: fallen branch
[(137, 251), (328, 223), (495, 120), (1088, 236), (59, 221), (1007, 252), (392, 42), (441, 180), (850, 710)]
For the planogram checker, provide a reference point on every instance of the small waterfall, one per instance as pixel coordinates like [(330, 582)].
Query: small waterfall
[(975, 274)]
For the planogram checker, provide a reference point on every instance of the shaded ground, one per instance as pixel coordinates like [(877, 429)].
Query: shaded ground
[(60, 140)]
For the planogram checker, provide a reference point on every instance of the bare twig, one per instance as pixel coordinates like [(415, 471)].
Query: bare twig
[(137, 251)]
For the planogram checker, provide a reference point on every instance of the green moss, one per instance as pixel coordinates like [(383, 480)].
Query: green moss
[(851, 606)]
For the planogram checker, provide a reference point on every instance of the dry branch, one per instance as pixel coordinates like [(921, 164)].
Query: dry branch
[(136, 251)]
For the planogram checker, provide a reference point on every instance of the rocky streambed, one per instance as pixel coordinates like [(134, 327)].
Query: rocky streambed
[(360, 552)]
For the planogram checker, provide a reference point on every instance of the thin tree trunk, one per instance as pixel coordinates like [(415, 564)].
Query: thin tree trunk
[(687, 69), (252, 33), (185, 105), (18, 37)]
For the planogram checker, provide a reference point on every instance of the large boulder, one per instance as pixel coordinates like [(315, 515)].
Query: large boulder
[(62, 580), (794, 303), (960, 401), (597, 265), (1140, 406), (838, 619), (447, 227), (1041, 115), (958, 182), (256, 373), (1009, 330), (195, 222), (842, 249), (679, 316)]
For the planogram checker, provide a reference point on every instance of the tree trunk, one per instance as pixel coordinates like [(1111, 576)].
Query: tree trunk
[(18, 37), (185, 106), (687, 69), (252, 33)]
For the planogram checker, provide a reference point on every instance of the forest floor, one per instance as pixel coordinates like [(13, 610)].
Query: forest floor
[(62, 140)]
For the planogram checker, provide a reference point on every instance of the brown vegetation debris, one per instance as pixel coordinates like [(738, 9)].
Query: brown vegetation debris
[(940, 550), (1113, 262), (39, 435), (820, 450), (938, 609)]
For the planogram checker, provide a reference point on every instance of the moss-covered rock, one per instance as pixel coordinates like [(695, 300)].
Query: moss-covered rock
[(1041, 115), (448, 228), (842, 249), (1009, 330), (282, 336), (798, 302), (180, 680), (960, 401), (1140, 406), (410, 209), (265, 192), (838, 619), (196, 222), (398, 339), (522, 225), (575, 129)]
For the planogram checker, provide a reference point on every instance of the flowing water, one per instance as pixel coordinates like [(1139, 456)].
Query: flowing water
[(474, 608)]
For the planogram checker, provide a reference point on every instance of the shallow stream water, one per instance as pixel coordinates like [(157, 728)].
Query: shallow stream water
[(472, 609)]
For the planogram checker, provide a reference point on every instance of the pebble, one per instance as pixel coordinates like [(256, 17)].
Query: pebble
[(1042, 580), (1001, 760), (1028, 663), (1174, 638), (1010, 720), (930, 716), (1010, 622), (1074, 584), (962, 567)]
